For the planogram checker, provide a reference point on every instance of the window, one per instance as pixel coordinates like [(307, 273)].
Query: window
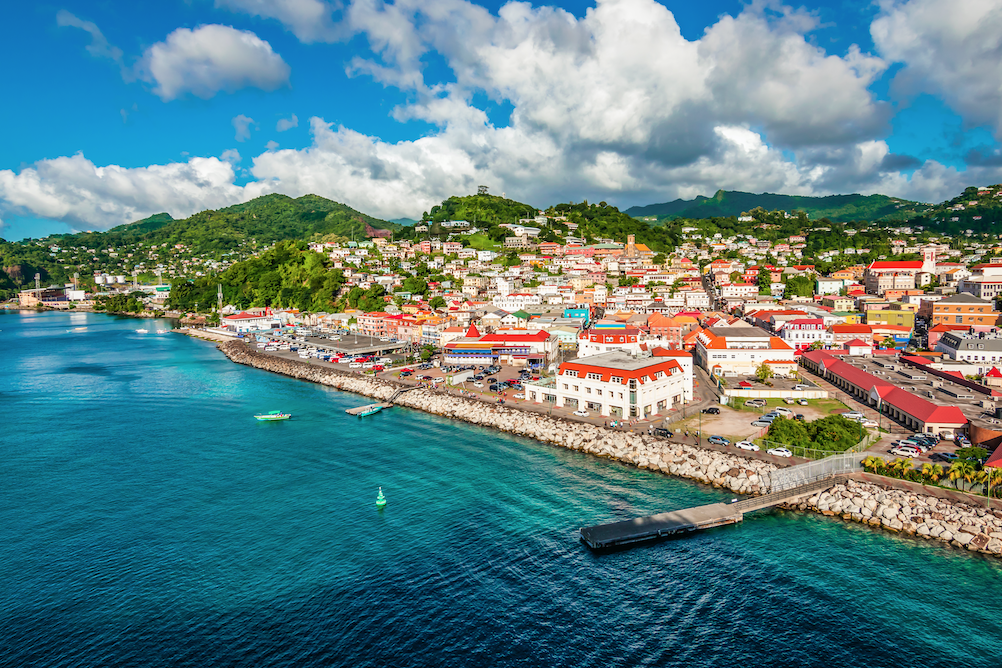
[(576, 389), (617, 379), (594, 376), (571, 373), (565, 386), (598, 392)]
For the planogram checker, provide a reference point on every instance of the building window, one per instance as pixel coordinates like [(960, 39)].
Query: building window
[(595, 376)]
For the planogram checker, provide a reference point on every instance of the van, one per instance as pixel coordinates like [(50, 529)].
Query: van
[(355, 365)]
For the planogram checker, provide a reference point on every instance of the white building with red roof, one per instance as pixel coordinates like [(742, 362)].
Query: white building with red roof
[(740, 351), (617, 385), (248, 322)]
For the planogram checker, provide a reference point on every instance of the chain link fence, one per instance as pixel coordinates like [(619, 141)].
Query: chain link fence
[(803, 474)]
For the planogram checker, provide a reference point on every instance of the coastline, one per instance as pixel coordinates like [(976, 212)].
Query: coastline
[(729, 471), (858, 500)]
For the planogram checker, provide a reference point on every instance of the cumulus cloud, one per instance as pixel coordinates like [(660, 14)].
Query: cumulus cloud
[(74, 190), (309, 20), (210, 59), (613, 105), (287, 123), (242, 125), (949, 48), (232, 156)]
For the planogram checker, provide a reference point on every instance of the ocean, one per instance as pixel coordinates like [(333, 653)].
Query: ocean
[(146, 519)]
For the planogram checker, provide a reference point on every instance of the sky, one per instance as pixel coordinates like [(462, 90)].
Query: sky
[(114, 111)]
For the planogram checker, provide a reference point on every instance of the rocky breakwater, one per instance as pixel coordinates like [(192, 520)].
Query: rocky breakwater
[(733, 472), (958, 524)]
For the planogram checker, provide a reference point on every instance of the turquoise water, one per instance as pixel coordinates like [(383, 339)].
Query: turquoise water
[(146, 519)]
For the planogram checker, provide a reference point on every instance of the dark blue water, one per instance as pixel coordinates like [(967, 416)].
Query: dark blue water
[(146, 519)]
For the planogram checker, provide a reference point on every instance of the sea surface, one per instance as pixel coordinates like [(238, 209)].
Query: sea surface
[(146, 519)]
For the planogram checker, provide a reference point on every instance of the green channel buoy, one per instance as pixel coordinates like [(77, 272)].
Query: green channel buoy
[(380, 500)]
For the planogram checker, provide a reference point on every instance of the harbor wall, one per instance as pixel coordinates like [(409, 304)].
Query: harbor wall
[(738, 474), (863, 499)]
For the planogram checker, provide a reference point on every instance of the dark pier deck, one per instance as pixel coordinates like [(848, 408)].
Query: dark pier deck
[(653, 527)]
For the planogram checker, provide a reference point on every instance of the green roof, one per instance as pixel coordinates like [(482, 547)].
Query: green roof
[(521, 314)]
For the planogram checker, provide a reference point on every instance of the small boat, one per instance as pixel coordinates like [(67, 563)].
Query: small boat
[(370, 410), (380, 500), (274, 415), (162, 331), (142, 331)]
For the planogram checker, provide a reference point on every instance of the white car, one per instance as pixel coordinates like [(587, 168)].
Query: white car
[(782, 410), (478, 384), (906, 451), (355, 365), (520, 396), (746, 445), (802, 402), (852, 415), (581, 413), (869, 424), (367, 365), (780, 452)]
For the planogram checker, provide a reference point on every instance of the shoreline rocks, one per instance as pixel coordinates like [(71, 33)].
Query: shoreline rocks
[(733, 472), (958, 524)]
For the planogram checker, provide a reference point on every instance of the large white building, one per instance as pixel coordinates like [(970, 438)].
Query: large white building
[(617, 384), (739, 351), (606, 336)]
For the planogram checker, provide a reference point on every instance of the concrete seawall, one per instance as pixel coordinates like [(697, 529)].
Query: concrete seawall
[(733, 472)]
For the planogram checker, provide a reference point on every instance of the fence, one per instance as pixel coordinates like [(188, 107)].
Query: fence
[(804, 474)]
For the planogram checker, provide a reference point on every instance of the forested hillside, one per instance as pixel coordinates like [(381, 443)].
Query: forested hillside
[(837, 208)]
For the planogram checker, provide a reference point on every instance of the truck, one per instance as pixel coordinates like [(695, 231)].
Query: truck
[(461, 377)]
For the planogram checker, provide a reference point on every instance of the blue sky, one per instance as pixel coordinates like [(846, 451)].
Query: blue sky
[(115, 111)]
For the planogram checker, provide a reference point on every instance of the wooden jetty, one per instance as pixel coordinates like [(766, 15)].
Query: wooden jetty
[(368, 409), (653, 527)]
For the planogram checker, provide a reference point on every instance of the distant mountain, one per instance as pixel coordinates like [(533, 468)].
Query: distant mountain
[(838, 208), (404, 222), (978, 209)]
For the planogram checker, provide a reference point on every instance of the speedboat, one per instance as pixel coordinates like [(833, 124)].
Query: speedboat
[(274, 415), (142, 331)]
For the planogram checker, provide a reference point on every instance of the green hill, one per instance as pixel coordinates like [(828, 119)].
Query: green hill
[(486, 209), (266, 219), (975, 209), (838, 208)]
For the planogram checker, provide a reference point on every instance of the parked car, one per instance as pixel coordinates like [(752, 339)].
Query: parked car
[(869, 424), (783, 410), (800, 388), (947, 457), (355, 365), (768, 417), (662, 432), (800, 417), (755, 403), (478, 384), (802, 402), (780, 452), (712, 410), (760, 423), (746, 445), (719, 440), (905, 451), (520, 396), (852, 415), (581, 413)]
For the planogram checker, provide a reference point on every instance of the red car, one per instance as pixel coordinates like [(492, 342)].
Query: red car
[(377, 367), (407, 369)]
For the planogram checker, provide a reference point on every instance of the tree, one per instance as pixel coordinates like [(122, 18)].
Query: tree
[(437, 302), (764, 280), (764, 372), (888, 342), (962, 469), (427, 352), (659, 259), (973, 454)]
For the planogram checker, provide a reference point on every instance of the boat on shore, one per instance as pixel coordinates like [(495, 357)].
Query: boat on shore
[(273, 416)]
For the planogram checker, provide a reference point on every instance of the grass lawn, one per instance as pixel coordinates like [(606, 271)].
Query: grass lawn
[(482, 242), (826, 406)]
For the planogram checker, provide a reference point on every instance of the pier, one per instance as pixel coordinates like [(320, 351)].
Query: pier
[(368, 409), (662, 525)]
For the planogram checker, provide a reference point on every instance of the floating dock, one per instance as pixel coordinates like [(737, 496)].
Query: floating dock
[(662, 525), (369, 409)]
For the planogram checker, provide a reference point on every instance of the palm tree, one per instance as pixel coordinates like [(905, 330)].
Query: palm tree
[(873, 463), (961, 470), (931, 472), (904, 467), (994, 480)]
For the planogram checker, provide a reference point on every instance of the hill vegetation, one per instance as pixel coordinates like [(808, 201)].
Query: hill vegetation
[(975, 209), (837, 208)]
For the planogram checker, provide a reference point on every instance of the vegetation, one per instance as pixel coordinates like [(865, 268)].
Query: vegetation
[(839, 208), (830, 434), (288, 275)]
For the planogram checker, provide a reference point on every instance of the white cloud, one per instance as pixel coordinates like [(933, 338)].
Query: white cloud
[(242, 125), (271, 145), (309, 20), (74, 190), (99, 46), (949, 48), (210, 59), (287, 123), (614, 105), (232, 156)]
